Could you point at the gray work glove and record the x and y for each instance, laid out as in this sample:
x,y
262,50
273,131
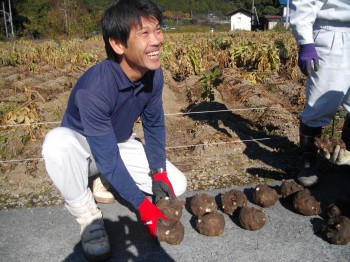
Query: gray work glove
x,y
339,156
162,187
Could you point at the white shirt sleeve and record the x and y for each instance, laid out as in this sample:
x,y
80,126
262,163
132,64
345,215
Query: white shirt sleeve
x,y
303,14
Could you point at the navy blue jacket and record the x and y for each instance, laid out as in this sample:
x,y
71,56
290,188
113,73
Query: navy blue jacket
x,y
103,107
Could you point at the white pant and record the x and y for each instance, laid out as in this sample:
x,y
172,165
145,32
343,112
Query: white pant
x,y
328,88
69,163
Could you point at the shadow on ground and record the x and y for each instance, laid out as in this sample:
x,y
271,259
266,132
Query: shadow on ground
x,y
283,156
128,242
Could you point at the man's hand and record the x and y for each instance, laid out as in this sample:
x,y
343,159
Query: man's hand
x,y
162,187
307,55
150,215
339,156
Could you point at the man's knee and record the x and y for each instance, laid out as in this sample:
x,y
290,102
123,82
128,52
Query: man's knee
x,y
57,143
181,184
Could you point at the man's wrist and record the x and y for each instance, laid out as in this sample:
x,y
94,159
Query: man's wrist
x,y
156,171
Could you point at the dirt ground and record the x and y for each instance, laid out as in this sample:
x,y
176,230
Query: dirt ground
x,y
248,134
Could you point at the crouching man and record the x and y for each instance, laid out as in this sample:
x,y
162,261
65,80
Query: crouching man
x,y
95,136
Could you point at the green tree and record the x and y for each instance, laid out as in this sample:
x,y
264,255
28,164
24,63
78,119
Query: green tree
x,y
53,18
69,17
35,11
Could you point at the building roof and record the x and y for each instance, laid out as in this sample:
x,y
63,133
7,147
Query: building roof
x,y
273,17
240,10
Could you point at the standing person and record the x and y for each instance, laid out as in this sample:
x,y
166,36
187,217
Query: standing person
x,y
322,31
96,131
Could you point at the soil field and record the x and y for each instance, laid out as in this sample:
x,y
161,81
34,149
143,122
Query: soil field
x,y
247,134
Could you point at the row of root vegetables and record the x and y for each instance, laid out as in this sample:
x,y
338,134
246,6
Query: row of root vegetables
x,y
208,212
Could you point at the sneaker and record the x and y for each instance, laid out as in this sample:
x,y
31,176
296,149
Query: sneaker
x,y
95,241
101,193
94,238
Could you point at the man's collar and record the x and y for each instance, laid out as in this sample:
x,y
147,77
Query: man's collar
x,y
122,79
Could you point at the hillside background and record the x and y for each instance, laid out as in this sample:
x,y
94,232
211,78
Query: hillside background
x,y
38,19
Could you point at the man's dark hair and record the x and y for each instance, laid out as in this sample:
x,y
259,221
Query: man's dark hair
x,y
119,18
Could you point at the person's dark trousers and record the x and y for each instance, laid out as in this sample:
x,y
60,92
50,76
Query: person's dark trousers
x,y
345,136
308,173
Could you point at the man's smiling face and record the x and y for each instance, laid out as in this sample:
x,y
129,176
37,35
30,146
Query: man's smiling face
x,y
143,49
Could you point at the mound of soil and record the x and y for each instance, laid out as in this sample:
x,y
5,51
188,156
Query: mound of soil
x,y
252,218
337,230
202,204
289,188
339,207
172,210
306,204
265,196
211,224
171,234
233,200
327,143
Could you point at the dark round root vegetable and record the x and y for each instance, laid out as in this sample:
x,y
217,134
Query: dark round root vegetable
x,y
171,234
211,224
288,188
339,207
252,218
327,143
306,204
265,196
232,200
172,210
337,230
202,204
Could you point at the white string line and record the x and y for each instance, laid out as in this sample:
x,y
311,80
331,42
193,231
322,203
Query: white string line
x,y
21,160
167,114
219,143
171,147
223,110
31,124
168,147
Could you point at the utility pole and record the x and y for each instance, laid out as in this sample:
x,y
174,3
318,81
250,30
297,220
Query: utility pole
x,y
11,24
255,12
9,19
287,15
5,21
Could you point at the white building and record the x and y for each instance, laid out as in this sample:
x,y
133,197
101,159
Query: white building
x,y
241,19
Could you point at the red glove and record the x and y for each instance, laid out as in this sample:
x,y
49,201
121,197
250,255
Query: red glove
x,y
150,215
161,186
